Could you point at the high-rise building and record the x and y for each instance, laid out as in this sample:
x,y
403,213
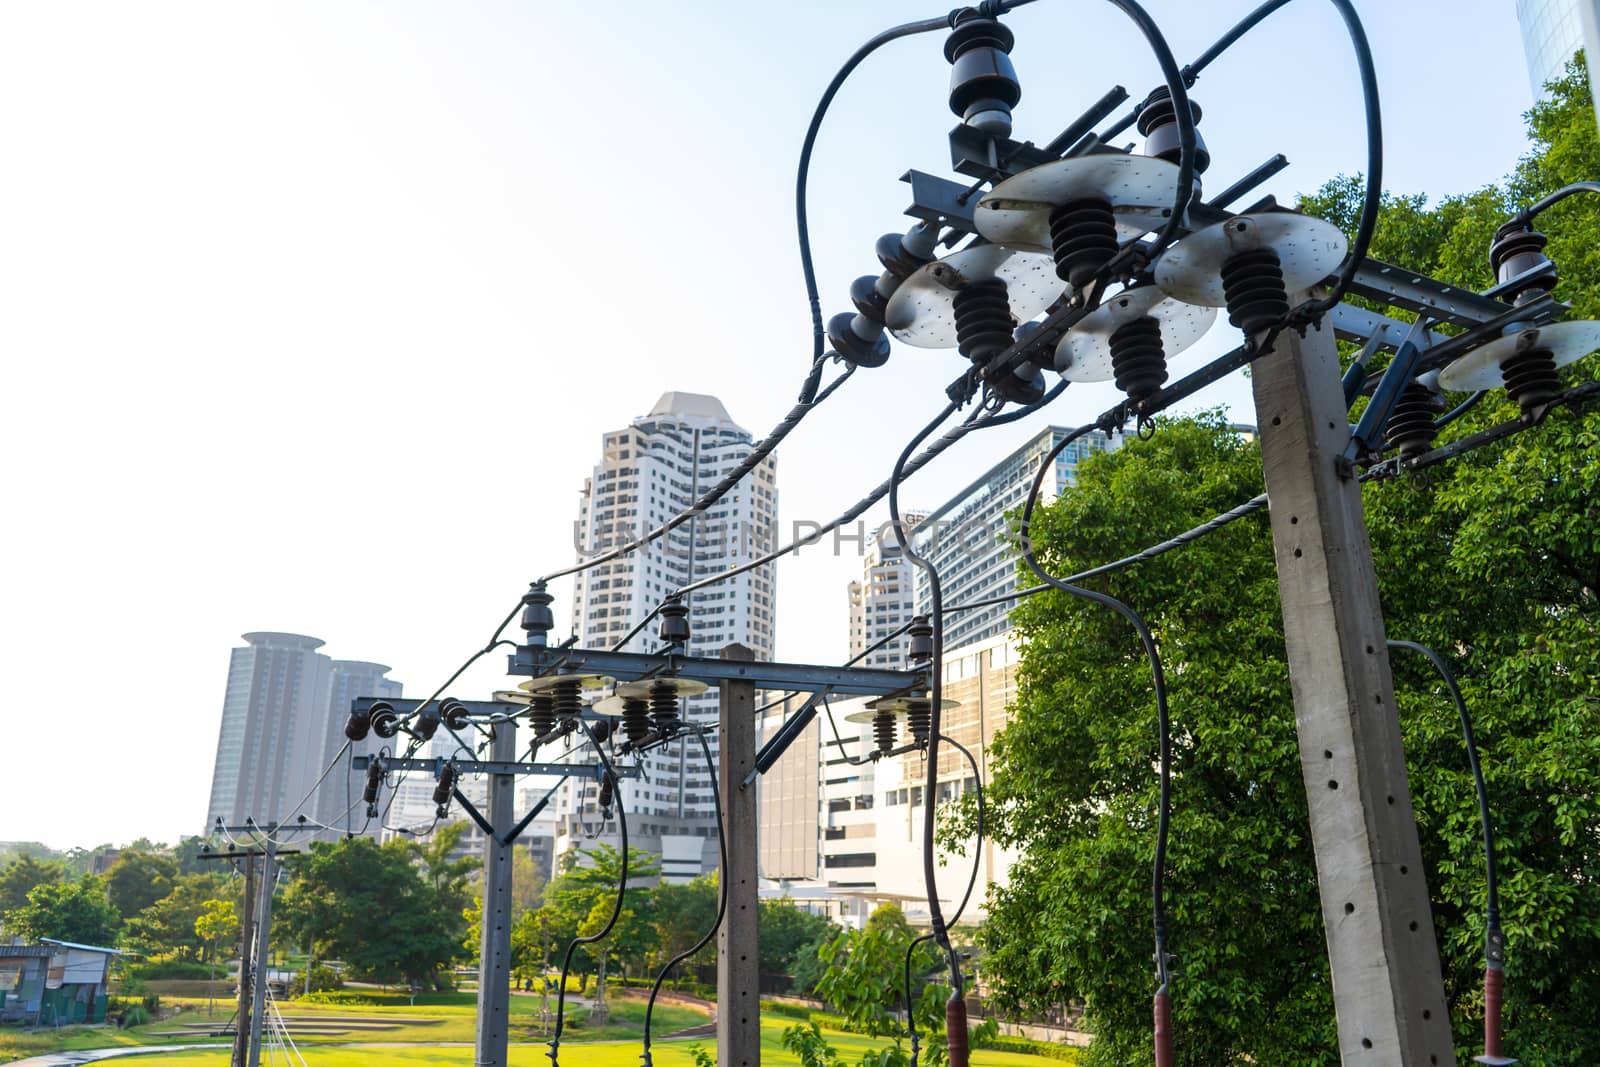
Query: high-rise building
x,y
282,721
650,471
966,539
981,678
1552,33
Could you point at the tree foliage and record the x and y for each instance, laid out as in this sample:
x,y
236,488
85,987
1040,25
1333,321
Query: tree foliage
x,y
19,877
376,908
138,879
170,925
1492,559
67,911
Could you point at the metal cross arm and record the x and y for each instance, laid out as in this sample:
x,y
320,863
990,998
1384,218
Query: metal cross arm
x,y
477,708
435,765
626,666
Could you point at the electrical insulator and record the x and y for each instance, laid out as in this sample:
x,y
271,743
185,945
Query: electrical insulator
x,y
919,648
983,81
357,725
608,792
674,628
537,618
446,786
601,731
1410,428
1250,264
454,713
1518,249
375,776
385,722
426,724
1158,121
1129,337
858,338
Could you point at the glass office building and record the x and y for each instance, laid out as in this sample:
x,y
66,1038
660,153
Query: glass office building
x,y
1552,32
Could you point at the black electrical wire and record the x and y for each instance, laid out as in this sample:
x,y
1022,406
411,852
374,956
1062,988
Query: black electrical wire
x,y
819,337
1164,809
1491,881
1459,410
972,882
935,693
616,909
722,898
1526,215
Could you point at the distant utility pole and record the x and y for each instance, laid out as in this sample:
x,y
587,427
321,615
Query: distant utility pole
x,y
1387,989
246,1040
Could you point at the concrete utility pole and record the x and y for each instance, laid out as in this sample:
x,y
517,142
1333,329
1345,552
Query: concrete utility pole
x,y
494,959
258,960
241,1036
738,960
1384,959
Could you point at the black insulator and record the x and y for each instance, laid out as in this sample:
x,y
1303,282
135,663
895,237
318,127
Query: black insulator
x,y
447,784
1083,237
454,713
357,725
542,714
983,82
635,718
1531,377
537,618
374,779
919,717
983,320
868,300
1254,287
1517,250
896,258
608,793
1158,122
568,699
883,724
1410,428
1138,361
848,342
1017,390
385,723
919,649
426,724
664,706
674,628
601,731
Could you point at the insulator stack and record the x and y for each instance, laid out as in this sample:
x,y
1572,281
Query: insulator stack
x,y
983,320
1410,428
919,716
635,718
1531,377
447,784
568,699
883,724
1083,238
664,707
1257,298
1517,250
983,82
454,712
542,714
608,793
1158,122
1138,360
385,722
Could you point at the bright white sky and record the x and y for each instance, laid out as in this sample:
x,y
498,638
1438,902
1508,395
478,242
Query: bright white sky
x,y
313,315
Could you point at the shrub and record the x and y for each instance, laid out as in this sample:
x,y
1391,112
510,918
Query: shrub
x,y
1029,1047
339,996
324,979
159,970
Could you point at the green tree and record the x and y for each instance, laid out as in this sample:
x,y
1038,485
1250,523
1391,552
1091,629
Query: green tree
x,y
19,877
586,888
218,924
684,911
67,911
138,879
1491,559
787,931
169,926
374,908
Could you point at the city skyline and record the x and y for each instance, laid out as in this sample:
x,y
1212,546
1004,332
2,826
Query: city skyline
x,y
357,336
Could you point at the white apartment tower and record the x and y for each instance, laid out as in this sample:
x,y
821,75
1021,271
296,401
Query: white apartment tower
x,y
650,471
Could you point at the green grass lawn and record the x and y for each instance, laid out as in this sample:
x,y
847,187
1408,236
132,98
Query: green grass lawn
x,y
609,1054
454,1021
